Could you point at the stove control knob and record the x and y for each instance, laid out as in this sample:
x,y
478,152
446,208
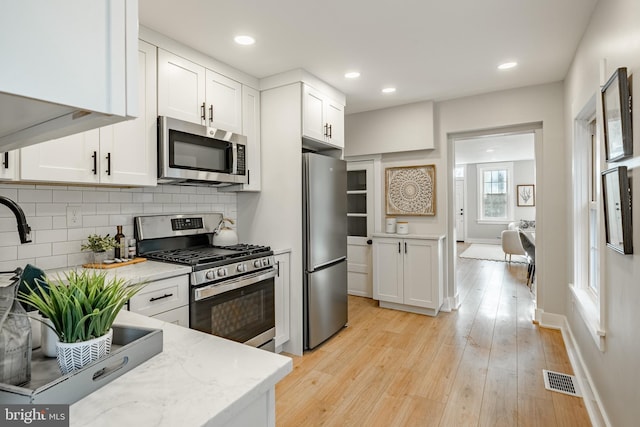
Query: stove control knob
x,y
265,262
210,275
257,263
241,268
221,272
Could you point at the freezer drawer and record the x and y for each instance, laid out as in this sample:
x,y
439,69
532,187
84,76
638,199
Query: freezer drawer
x,y
326,303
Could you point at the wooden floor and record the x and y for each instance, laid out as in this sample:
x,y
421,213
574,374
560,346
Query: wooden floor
x,y
478,366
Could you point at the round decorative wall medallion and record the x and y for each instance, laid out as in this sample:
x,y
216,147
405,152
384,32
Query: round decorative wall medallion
x,y
411,190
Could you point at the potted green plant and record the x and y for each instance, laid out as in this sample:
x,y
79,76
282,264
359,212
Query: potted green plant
x,y
81,308
101,246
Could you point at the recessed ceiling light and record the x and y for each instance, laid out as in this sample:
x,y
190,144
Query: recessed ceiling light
x,y
244,40
490,150
507,65
352,75
388,90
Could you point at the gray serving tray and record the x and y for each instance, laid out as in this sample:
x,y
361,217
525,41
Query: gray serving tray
x,y
131,346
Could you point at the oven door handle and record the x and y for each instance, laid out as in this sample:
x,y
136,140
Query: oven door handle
x,y
229,285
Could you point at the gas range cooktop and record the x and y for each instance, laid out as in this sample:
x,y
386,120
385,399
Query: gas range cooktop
x,y
210,256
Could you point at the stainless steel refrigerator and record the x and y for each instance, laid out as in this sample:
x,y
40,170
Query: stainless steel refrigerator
x,y
325,247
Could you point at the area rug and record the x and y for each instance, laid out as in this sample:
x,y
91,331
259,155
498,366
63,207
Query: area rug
x,y
490,253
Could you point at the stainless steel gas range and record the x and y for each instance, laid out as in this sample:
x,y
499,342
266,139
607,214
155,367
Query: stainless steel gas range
x,y
231,287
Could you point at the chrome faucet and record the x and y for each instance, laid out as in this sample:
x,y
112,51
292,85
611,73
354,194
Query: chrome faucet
x,y
23,228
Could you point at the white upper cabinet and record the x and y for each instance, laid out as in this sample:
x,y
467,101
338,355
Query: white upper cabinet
x,y
67,66
251,129
181,88
9,165
190,92
224,102
322,118
120,154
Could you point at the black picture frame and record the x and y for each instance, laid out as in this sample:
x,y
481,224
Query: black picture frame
x,y
617,209
616,113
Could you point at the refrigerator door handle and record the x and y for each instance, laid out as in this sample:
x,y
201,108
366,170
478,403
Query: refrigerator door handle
x,y
321,266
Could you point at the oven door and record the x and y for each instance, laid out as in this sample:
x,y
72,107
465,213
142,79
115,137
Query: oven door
x,y
241,309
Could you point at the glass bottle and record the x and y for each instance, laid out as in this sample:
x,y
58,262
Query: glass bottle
x,y
120,244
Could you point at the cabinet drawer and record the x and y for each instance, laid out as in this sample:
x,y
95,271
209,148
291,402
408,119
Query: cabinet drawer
x,y
177,316
160,296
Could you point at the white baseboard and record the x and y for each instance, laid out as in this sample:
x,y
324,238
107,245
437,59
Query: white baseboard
x,y
590,396
359,293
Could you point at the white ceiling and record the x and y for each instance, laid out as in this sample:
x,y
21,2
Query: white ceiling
x,y
428,49
496,148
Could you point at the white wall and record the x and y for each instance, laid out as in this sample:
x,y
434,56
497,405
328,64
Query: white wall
x,y
530,107
613,35
55,245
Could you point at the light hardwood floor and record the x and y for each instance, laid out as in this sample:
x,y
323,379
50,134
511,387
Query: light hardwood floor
x,y
478,366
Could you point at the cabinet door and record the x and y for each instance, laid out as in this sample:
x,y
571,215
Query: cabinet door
x,y
223,102
420,263
335,119
74,158
181,88
177,316
387,270
129,149
313,120
8,165
251,129
282,299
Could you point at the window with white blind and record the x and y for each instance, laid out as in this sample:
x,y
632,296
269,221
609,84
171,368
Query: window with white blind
x,y
495,200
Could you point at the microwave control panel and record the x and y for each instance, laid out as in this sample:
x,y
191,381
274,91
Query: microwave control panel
x,y
241,164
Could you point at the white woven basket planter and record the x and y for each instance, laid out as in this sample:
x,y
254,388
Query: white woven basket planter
x,y
74,356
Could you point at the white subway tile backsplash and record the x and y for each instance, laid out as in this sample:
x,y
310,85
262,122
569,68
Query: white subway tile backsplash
x,y
95,220
48,236
34,250
65,248
67,196
102,209
95,197
120,197
26,195
51,262
8,253
10,238
49,209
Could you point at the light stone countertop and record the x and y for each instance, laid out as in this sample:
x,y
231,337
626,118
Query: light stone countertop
x,y
198,379
135,273
409,236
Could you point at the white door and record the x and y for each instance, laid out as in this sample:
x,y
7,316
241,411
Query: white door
x,y
459,210
360,205
313,120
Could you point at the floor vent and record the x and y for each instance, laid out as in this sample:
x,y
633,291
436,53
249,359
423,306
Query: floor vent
x,y
562,383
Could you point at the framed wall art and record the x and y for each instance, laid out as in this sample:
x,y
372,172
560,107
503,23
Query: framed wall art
x,y
526,195
616,113
617,209
411,190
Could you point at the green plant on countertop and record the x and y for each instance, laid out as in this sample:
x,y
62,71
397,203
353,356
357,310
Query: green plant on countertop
x,y
83,305
97,243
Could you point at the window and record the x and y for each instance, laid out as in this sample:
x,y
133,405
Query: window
x,y
494,192
587,286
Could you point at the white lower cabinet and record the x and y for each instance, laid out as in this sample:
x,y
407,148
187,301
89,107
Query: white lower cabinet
x,y
166,299
282,308
408,273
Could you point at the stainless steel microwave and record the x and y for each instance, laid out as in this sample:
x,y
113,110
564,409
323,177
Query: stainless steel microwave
x,y
190,153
